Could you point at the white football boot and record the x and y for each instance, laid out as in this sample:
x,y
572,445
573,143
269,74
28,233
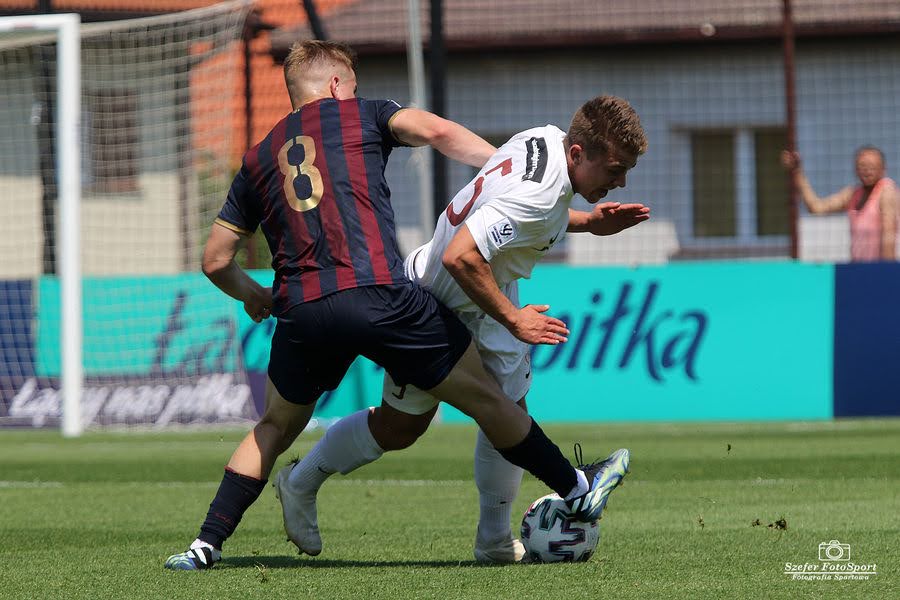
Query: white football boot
x,y
298,510
506,550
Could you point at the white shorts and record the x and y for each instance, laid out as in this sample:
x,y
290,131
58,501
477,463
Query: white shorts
x,y
505,357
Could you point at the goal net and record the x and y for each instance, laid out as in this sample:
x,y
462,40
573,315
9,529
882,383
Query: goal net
x,y
157,101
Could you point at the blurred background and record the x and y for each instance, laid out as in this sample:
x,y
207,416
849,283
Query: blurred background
x,y
733,302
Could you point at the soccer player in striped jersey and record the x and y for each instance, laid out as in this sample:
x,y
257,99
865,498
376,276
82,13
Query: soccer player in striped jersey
x,y
316,187
491,235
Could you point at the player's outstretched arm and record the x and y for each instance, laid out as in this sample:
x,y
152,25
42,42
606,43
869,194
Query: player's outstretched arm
x,y
464,262
219,266
607,218
422,128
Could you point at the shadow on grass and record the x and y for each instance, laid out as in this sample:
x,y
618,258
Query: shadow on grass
x,y
289,562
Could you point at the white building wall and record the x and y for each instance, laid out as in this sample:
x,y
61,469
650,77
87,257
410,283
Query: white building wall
x,y
134,233
20,227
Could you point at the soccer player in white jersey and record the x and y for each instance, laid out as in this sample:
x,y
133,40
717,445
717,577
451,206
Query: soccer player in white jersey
x,y
491,235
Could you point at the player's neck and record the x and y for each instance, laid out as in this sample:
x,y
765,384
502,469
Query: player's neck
x,y
309,100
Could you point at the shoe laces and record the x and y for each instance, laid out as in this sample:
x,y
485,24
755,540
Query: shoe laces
x,y
579,459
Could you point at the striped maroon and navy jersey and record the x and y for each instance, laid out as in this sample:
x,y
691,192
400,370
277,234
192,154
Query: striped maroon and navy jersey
x,y
316,186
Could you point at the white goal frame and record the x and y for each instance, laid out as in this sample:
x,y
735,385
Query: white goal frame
x,y
66,27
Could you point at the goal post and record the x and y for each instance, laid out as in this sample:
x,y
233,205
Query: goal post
x,y
116,152
66,29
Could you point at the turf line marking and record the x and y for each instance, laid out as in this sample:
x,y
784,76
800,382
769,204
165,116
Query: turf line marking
x,y
193,484
332,482
30,484
407,482
5,484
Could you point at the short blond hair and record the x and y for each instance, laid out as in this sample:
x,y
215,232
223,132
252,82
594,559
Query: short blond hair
x,y
605,121
303,55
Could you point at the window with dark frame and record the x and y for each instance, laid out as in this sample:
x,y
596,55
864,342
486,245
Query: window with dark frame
x,y
715,176
113,141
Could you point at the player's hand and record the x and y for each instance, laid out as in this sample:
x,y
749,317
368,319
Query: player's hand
x,y
259,307
533,327
790,160
608,218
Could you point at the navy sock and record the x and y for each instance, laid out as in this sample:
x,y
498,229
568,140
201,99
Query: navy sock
x,y
236,493
543,459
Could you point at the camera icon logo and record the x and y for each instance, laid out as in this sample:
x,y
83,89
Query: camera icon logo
x,y
834,551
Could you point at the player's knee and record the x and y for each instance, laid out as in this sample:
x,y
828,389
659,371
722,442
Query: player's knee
x,y
269,435
393,430
399,440
282,421
280,432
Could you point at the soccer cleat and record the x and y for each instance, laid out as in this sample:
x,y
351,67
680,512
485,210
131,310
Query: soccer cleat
x,y
194,559
507,550
604,477
298,510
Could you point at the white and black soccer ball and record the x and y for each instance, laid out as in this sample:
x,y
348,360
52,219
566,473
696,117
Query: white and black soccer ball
x,y
551,534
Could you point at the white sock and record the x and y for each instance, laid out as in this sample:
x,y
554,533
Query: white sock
x,y
581,488
498,484
346,446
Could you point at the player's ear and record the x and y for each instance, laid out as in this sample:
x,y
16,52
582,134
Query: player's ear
x,y
576,153
334,86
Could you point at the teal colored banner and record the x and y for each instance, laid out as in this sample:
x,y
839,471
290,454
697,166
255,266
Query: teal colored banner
x,y
142,326
678,342
166,328
715,341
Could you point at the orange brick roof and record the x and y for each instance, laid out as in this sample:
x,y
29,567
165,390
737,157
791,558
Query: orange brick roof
x,y
137,6
10,5
129,5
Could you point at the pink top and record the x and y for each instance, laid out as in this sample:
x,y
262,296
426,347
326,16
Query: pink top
x,y
865,223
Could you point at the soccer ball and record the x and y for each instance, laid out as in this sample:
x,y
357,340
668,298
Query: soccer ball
x,y
551,534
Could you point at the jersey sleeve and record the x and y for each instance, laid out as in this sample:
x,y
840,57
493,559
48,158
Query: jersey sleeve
x,y
241,211
498,226
385,110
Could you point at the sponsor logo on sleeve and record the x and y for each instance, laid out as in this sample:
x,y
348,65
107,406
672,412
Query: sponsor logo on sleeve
x,y
502,232
535,160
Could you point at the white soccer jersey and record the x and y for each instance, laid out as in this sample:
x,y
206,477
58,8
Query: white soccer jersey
x,y
516,208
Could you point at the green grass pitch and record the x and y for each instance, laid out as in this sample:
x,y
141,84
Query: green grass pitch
x,y
708,511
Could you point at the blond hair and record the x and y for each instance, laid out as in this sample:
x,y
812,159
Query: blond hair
x,y
605,121
315,53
